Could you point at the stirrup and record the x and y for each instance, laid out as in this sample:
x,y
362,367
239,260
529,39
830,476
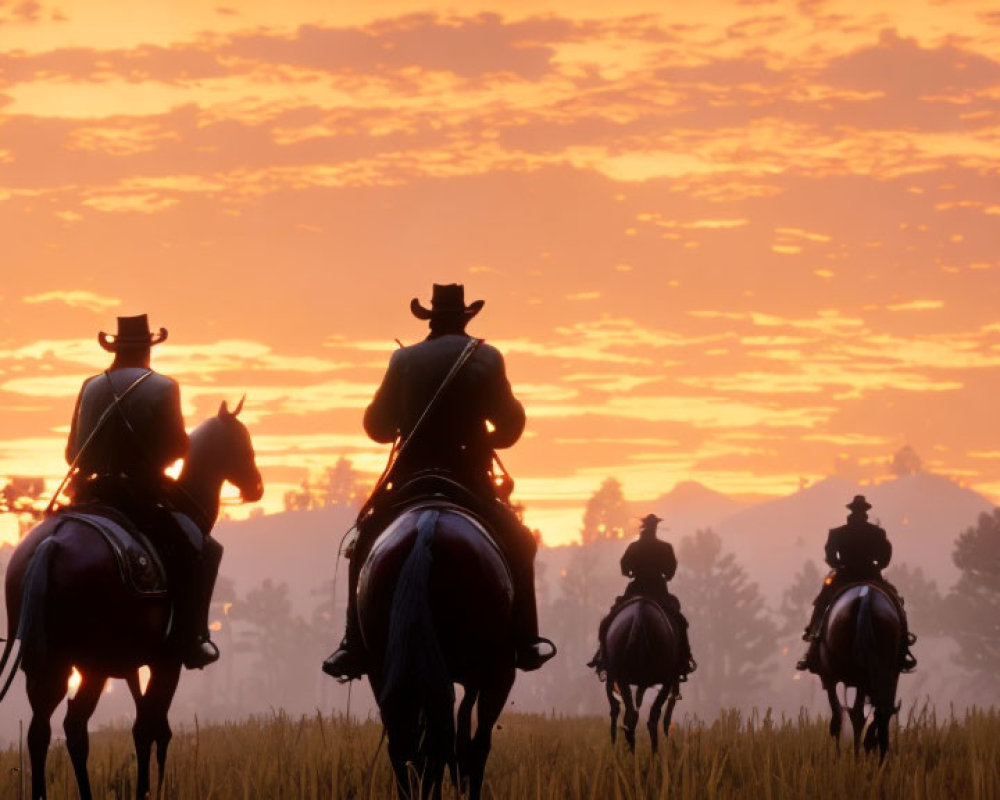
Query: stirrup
x,y
344,664
530,657
205,652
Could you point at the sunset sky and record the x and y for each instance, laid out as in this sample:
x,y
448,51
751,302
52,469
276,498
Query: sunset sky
x,y
733,242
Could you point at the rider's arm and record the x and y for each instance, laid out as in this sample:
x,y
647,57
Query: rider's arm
x,y
884,555
832,545
505,411
626,563
382,417
669,567
175,442
72,447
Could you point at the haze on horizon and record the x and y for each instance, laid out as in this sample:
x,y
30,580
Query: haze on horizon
x,y
743,243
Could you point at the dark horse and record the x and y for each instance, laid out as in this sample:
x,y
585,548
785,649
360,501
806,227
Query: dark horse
x,y
65,592
641,649
860,641
434,602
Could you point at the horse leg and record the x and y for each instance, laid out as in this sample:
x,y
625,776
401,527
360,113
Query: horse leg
x,y
654,715
631,715
884,707
45,691
152,726
609,687
491,703
857,715
78,713
836,711
463,737
669,713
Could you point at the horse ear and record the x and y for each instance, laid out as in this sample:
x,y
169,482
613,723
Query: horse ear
x,y
239,405
223,409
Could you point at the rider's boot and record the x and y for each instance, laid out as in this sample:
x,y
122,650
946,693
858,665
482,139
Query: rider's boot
x,y
811,635
347,662
908,661
530,649
689,665
597,662
193,608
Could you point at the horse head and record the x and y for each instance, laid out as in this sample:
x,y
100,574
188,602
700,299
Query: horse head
x,y
239,464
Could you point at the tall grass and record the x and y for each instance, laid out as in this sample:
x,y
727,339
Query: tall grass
x,y
556,758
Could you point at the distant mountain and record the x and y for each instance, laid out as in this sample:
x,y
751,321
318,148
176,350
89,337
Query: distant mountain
x,y
688,507
922,514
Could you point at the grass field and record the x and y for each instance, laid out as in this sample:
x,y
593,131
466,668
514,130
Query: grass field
x,y
539,757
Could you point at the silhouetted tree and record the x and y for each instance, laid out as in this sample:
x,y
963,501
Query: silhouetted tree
x,y
301,500
796,600
905,462
732,637
286,647
923,602
973,607
606,515
22,495
341,485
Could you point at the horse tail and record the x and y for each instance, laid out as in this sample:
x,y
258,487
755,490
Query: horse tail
x,y
34,600
30,628
865,654
415,668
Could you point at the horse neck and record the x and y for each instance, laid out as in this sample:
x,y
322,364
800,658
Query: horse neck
x,y
200,484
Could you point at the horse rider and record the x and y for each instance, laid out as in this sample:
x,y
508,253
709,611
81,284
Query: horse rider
x,y
127,428
650,563
857,551
447,434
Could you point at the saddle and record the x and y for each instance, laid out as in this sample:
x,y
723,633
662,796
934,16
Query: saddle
x,y
139,565
877,586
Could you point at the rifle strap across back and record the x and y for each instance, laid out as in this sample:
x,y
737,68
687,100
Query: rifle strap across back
x,y
467,352
105,416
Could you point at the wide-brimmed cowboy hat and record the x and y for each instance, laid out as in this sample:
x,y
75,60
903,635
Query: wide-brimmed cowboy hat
x,y
650,520
447,300
859,504
132,332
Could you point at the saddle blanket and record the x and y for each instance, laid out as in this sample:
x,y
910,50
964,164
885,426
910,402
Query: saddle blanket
x,y
139,564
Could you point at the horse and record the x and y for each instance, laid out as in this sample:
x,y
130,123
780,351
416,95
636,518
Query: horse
x,y
69,605
641,649
435,601
859,644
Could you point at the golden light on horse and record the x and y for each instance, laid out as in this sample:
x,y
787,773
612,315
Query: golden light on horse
x,y
73,683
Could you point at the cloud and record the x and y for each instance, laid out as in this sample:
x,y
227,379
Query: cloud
x,y
75,299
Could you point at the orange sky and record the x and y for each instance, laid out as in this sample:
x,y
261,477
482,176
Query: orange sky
x,y
734,243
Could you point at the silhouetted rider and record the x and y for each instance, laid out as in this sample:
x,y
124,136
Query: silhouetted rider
x,y
450,453
857,551
121,463
650,563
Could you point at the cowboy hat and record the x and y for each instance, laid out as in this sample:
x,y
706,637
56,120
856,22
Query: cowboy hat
x,y
859,504
132,332
447,300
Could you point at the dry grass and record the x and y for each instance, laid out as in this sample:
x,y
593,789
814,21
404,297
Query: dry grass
x,y
538,757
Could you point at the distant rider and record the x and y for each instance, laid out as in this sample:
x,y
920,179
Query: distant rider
x,y
650,563
857,551
451,455
121,464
